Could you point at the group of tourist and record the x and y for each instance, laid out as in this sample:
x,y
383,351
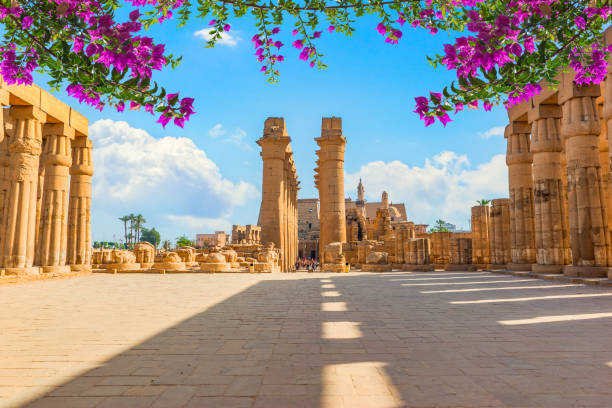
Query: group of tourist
x,y
307,263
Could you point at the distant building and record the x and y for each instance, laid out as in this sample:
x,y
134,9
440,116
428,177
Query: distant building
x,y
219,238
246,234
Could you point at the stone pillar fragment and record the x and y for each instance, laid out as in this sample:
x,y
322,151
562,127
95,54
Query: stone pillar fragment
x,y
588,223
331,181
551,228
520,181
460,255
53,225
499,233
481,252
79,207
417,255
19,218
277,216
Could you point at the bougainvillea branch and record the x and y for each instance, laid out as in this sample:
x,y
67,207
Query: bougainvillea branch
x,y
509,46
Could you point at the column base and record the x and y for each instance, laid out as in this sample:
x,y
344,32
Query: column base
x,y
537,268
121,267
377,268
80,268
586,271
57,269
498,267
417,268
26,271
519,267
460,267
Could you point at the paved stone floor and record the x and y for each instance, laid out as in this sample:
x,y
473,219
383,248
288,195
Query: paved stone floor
x,y
305,340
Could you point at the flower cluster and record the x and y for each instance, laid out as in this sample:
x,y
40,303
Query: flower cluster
x,y
263,44
98,38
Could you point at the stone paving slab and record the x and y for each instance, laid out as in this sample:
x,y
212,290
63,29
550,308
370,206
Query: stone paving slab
x,y
401,339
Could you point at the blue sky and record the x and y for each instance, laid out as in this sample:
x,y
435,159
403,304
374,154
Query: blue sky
x,y
214,179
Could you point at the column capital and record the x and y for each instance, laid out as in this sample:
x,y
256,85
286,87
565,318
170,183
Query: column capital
x,y
544,111
569,90
59,129
516,127
27,112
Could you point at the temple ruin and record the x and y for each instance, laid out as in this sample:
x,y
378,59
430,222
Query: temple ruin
x,y
45,184
278,211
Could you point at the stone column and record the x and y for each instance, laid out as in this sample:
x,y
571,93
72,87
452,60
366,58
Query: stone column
x,y
331,182
607,111
551,229
53,227
20,216
274,144
481,253
604,162
499,234
520,180
588,223
79,207
4,166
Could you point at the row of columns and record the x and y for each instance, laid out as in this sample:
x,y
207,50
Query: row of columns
x,y
560,203
45,193
329,180
278,211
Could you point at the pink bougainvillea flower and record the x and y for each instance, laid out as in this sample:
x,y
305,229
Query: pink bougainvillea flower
x,y
134,15
487,106
299,44
163,119
381,28
428,120
278,44
212,22
444,119
294,32
280,58
331,28
227,27
316,34
312,64
458,107
264,68
275,30
120,107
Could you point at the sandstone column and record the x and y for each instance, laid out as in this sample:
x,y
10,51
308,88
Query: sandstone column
x,y
520,180
607,110
79,207
274,144
4,167
499,234
331,182
551,229
481,253
589,232
20,216
53,226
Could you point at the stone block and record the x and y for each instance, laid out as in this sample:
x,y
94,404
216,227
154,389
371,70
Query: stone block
x,y
418,268
79,123
519,267
586,271
537,268
460,267
25,95
377,268
56,110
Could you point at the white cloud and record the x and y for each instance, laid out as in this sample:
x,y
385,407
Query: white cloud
x,y
159,178
446,186
236,137
201,224
226,38
494,131
217,130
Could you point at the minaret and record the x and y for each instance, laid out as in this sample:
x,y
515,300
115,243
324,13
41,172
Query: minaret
x,y
385,200
360,192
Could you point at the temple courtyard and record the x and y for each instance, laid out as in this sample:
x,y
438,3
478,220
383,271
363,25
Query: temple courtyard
x,y
443,339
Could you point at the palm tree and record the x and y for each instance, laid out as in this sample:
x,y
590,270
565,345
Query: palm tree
x,y
440,224
125,219
139,220
132,219
483,201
